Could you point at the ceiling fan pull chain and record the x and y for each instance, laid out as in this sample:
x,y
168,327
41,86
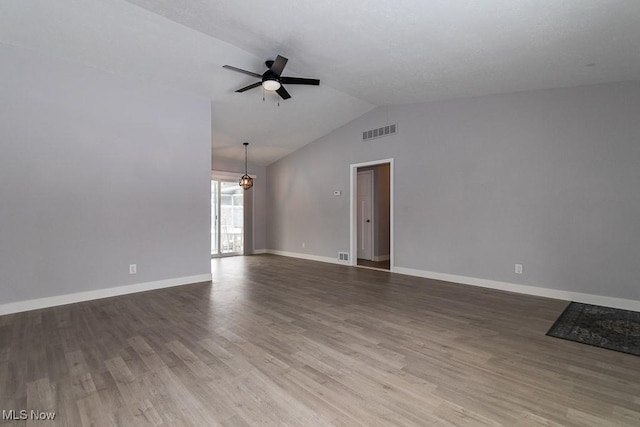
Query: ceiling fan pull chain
x,y
262,94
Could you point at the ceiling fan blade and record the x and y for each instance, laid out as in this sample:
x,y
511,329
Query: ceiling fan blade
x,y
249,87
299,81
283,93
278,65
240,70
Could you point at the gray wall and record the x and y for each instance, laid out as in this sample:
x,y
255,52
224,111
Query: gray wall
x,y
259,196
549,179
97,172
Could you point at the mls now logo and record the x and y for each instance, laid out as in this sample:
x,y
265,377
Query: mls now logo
x,y
23,414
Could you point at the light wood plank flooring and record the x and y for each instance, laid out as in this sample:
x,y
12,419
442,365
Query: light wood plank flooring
x,y
279,341
383,265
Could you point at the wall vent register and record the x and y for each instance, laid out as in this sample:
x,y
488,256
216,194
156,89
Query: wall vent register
x,y
380,132
343,256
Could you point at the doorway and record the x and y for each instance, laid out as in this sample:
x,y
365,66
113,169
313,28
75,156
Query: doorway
x,y
227,218
372,214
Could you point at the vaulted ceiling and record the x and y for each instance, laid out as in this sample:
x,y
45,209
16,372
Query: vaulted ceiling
x,y
366,53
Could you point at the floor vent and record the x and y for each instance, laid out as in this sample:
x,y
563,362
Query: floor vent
x,y
379,132
343,256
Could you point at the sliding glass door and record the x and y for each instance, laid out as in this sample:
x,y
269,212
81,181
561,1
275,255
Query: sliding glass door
x,y
227,218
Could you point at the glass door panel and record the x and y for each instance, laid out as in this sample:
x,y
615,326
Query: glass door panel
x,y
231,218
227,218
214,217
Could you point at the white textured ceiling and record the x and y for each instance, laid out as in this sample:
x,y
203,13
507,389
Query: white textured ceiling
x,y
365,53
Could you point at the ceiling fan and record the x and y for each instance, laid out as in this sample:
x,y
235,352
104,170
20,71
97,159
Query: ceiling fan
x,y
272,80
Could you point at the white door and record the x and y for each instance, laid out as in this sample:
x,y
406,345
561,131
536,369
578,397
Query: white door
x,y
365,215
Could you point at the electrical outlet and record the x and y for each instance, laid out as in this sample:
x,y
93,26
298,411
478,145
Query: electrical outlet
x,y
133,269
304,245
518,268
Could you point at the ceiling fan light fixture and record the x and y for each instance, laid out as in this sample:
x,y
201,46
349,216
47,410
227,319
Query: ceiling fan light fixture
x,y
271,85
272,79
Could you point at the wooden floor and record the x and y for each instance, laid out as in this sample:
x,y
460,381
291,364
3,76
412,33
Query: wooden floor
x,y
281,341
383,265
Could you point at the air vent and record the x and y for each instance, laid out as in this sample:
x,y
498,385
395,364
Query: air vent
x,y
379,132
343,256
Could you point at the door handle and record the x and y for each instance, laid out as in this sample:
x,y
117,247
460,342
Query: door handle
x,y
368,220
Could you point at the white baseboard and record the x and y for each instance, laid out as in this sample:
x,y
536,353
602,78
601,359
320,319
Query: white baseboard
x,y
36,304
379,258
605,301
307,256
259,251
624,304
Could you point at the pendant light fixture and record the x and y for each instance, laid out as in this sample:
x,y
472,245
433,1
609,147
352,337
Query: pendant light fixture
x,y
246,181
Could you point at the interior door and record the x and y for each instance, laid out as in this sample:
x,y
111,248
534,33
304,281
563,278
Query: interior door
x,y
365,215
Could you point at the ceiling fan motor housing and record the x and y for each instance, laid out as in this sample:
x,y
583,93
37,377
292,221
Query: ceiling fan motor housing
x,y
270,75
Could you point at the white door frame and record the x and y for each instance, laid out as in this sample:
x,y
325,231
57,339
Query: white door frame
x,y
353,210
234,177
